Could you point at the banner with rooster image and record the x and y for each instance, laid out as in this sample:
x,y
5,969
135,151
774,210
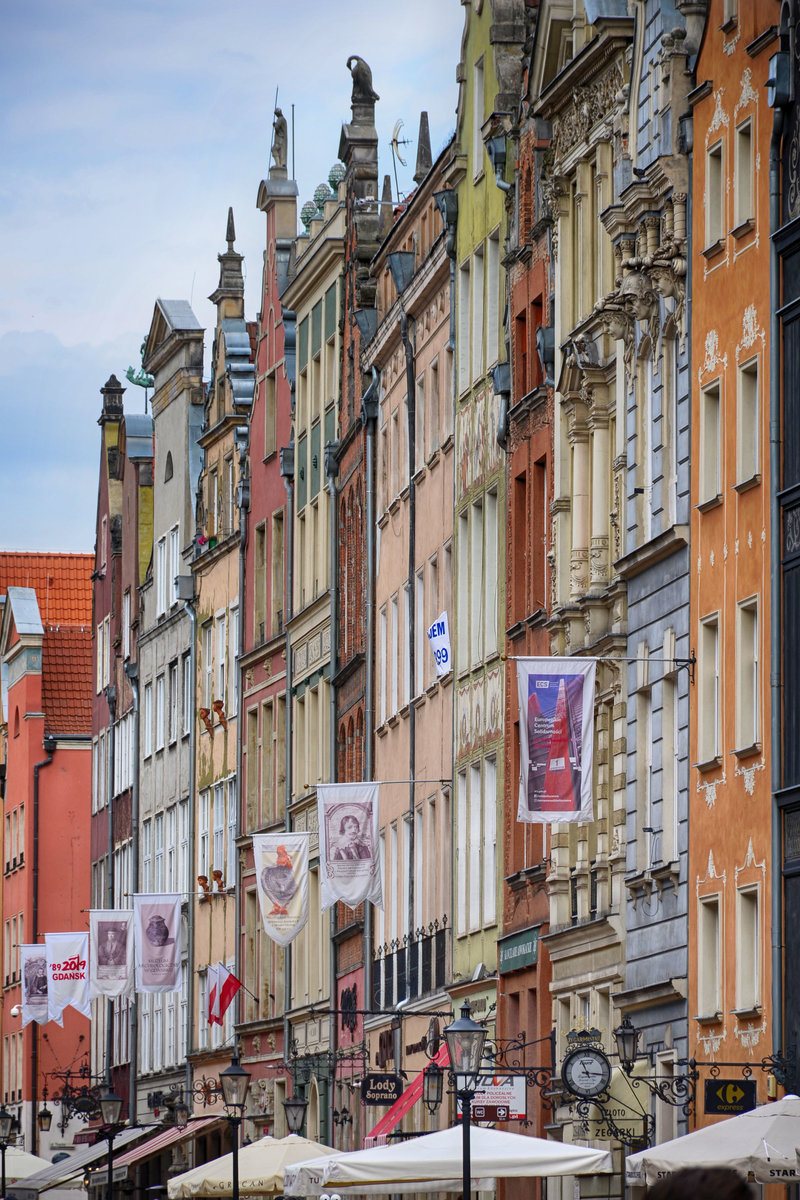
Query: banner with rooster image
x,y
350,865
556,738
67,973
281,862
157,941
111,952
33,969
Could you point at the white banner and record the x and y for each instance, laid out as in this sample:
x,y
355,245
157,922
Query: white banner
x,y
67,973
556,739
439,638
157,941
110,952
350,865
33,967
281,862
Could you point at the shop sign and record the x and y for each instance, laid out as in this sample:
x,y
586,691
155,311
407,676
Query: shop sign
x,y
729,1097
498,1098
518,950
381,1088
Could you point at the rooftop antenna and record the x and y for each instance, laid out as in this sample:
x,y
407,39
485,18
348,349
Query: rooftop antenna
x,y
397,157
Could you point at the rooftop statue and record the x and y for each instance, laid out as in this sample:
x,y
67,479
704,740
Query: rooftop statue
x,y
279,139
362,80
140,377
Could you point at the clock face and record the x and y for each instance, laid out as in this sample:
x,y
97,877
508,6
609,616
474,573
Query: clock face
x,y
586,1072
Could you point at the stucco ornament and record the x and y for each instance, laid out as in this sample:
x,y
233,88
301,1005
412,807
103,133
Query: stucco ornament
x,y
588,107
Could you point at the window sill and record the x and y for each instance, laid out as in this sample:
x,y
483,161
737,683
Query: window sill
x,y
743,228
747,1014
709,764
748,751
729,25
746,484
714,249
393,720
709,1018
712,502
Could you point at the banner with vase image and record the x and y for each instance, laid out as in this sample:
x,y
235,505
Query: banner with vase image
x,y
157,941
350,864
281,863
556,739
110,952
33,972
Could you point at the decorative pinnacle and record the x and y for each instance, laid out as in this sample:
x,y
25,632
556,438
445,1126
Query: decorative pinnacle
x,y
230,232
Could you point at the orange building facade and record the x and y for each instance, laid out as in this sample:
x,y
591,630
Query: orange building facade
x,y
730,797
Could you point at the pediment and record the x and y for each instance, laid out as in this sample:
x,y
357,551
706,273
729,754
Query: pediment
x,y
553,47
160,329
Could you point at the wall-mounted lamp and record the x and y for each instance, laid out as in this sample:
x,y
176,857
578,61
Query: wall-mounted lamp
x,y
496,149
367,322
627,1038
401,264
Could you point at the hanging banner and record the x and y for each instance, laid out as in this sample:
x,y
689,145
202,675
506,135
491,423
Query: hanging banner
x,y
33,967
556,736
439,638
67,973
157,942
281,862
350,865
110,952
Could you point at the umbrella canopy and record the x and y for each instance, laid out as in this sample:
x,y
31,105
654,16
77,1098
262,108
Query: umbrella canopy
x,y
432,1163
20,1164
763,1141
261,1167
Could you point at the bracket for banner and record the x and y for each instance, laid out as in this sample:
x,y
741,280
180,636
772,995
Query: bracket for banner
x,y
688,664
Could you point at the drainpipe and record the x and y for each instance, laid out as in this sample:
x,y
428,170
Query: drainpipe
x,y
287,473
132,673
242,440
111,701
411,389
332,471
49,744
188,606
369,418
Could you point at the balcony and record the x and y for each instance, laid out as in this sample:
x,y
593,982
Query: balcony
x,y
411,967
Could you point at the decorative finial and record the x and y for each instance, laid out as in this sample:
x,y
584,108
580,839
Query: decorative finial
x,y
230,232
336,175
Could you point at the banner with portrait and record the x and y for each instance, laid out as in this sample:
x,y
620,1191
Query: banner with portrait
x,y
281,863
33,971
67,973
157,941
350,863
110,952
556,736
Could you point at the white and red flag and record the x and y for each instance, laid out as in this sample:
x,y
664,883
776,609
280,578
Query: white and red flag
x,y
222,987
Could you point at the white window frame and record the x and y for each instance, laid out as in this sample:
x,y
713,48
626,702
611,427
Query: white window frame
x,y
748,457
160,711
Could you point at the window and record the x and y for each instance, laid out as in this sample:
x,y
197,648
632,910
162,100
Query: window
x,y
233,683
462,644
230,870
748,949
747,684
419,648
203,865
147,856
710,444
270,437
161,576
492,298
708,741
489,841
173,702
126,624
743,181
644,778
393,656
708,956
715,195
174,565
461,853
158,852
277,573
406,644
667,850
160,712
222,668
748,457
213,504
147,719
100,649
259,583
463,327
230,495
478,116
419,426
383,652
207,666
218,862
477,314
490,576
188,699
183,846
475,595
171,873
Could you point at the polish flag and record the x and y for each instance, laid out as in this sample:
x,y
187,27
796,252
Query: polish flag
x,y
213,989
225,987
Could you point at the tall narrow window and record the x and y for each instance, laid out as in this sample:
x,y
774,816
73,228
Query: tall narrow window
x,y
208,675
277,573
174,566
489,873
490,577
382,652
222,668
747,689
743,181
147,725
161,576
233,659
477,313
394,651
644,776
708,956
158,852
187,708
462,596
715,195
203,835
259,583
667,850
477,615
218,859
461,853
463,327
475,846
126,624
478,116
708,733
748,456
492,298
173,701
419,425
160,714
419,648
270,437
710,443
748,949
406,644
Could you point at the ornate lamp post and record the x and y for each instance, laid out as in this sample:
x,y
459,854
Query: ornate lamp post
x,y
465,1039
233,1081
295,1110
6,1125
627,1038
110,1109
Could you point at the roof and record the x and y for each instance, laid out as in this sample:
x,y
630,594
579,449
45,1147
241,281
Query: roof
x,y
179,314
138,436
25,610
62,583
67,681
58,1173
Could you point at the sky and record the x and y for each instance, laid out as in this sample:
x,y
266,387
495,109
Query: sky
x,y
127,128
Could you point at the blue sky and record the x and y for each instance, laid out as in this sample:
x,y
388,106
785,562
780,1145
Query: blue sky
x,y
127,128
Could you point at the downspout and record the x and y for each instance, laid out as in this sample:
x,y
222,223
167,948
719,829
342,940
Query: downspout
x,y
132,673
332,471
369,418
49,744
242,438
188,607
412,599
775,575
111,701
287,472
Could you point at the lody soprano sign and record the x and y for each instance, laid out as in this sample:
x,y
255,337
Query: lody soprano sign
x,y
381,1087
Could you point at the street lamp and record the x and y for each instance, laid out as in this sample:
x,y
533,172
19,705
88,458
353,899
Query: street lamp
x,y
6,1125
432,1087
465,1039
110,1109
295,1110
233,1081
627,1038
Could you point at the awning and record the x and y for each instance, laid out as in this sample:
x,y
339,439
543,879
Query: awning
x,y
394,1115
164,1141
69,1172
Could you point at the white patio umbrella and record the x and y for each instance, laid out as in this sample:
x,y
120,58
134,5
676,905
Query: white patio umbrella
x,y
763,1141
20,1164
433,1163
261,1167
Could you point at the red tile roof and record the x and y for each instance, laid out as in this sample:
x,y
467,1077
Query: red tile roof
x,y
67,681
62,583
